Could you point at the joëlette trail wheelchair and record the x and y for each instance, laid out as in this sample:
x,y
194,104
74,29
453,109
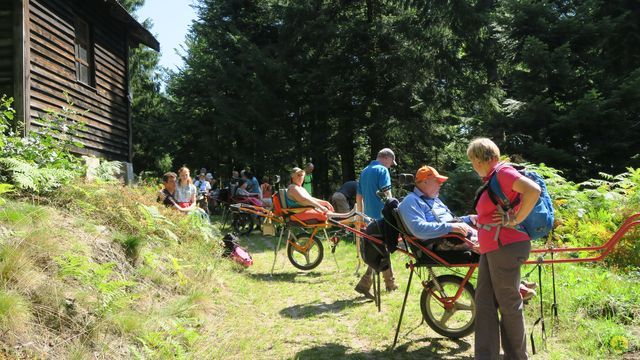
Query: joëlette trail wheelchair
x,y
447,301
304,234
241,222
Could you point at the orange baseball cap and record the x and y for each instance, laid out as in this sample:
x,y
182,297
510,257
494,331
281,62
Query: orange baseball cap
x,y
427,172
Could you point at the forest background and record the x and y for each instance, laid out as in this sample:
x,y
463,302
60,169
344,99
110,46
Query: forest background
x,y
268,84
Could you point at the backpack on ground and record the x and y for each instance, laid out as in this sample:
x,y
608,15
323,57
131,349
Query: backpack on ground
x,y
233,250
540,221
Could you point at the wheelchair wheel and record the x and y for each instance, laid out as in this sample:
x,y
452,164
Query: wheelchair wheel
x,y
454,320
242,223
305,260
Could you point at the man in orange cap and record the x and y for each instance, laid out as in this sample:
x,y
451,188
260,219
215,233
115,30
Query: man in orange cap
x,y
425,215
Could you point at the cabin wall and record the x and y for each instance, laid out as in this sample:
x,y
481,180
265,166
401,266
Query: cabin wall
x,y
52,72
7,50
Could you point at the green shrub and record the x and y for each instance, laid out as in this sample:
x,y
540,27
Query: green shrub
x,y
589,213
6,117
34,179
42,160
131,245
459,191
51,143
107,172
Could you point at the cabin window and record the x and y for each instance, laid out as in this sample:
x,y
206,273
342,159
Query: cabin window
x,y
84,53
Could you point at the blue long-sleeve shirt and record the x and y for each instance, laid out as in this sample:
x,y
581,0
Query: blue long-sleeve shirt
x,y
426,218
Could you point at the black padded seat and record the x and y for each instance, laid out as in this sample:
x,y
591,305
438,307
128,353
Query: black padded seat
x,y
452,257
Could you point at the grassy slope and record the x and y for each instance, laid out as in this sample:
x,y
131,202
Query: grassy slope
x,y
70,291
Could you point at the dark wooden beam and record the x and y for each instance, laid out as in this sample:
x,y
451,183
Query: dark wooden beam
x,y
129,95
21,61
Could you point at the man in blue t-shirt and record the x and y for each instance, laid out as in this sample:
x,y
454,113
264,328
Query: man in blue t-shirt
x,y
375,177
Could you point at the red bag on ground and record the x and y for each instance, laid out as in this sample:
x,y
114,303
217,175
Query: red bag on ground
x,y
233,250
242,257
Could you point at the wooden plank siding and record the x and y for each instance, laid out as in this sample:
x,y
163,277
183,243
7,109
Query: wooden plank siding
x,y
53,71
7,49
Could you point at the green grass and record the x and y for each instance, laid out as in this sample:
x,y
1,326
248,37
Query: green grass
x,y
14,311
317,314
23,215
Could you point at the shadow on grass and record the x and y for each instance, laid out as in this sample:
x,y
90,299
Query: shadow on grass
x,y
310,277
318,308
431,349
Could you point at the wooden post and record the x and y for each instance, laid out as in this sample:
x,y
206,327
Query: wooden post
x,y
127,44
22,74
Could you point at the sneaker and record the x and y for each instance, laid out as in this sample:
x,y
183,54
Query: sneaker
x,y
365,292
526,292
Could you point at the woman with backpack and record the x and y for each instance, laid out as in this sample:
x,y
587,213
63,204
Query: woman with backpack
x,y
503,248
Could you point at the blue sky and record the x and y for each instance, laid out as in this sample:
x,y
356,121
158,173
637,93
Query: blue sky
x,y
171,20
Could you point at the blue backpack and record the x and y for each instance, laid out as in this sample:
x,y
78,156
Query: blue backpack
x,y
540,221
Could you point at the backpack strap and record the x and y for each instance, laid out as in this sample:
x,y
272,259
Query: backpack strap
x,y
500,200
424,198
496,194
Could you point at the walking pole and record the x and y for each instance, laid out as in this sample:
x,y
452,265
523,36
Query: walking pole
x,y
379,290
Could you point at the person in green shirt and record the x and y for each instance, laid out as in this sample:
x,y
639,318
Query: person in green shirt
x,y
308,178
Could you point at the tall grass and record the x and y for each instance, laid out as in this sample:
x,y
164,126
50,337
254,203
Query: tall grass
x,y
14,312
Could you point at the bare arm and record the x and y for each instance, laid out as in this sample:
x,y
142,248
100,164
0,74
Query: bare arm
x,y
301,196
530,192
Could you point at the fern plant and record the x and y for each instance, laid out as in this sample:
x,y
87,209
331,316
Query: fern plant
x,y
108,171
50,143
113,293
31,178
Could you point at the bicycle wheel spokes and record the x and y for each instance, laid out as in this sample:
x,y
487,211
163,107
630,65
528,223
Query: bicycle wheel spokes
x,y
304,252
448,314
450,317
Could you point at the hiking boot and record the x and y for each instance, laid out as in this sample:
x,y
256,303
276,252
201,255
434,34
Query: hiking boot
x,y
526,292
365,292
392,287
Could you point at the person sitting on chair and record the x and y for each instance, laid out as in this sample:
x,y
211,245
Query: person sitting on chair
x,y
298,196
247,197
427,217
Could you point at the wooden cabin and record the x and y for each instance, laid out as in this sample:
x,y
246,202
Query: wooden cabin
x,y
78,47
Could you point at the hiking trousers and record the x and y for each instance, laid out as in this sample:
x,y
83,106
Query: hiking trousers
x,y
498,290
